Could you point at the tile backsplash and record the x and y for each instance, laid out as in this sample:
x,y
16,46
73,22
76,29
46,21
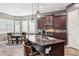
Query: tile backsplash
x,y
55,30
60,30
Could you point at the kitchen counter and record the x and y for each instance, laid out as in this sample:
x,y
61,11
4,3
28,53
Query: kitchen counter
x,y
41,43
44,40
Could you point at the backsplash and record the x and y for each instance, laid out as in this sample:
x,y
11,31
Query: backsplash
x,y
60,30
53,30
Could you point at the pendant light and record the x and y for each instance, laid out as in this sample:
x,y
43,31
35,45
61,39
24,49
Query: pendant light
x,y
38,12
32,13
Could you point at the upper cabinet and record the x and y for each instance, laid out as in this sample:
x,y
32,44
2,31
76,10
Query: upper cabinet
x,y
55,23
45,22
49,21
59,22
41,22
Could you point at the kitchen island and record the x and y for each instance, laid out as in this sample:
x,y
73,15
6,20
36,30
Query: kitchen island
x,y
47,46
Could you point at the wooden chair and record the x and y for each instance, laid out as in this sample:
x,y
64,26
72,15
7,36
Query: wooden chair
x,y
24,36
20,39
28,50
13,38
9,37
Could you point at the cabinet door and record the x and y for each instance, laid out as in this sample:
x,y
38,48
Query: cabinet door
x,y
51,20
57,49
60,22
47,19
62,36
41,22
38,23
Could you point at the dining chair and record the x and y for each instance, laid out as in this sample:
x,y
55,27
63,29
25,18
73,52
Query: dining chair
x,y
20,39
13,38
24,36
16,37
9,37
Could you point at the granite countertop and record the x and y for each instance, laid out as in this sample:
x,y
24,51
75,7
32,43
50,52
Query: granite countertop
x,y
44,40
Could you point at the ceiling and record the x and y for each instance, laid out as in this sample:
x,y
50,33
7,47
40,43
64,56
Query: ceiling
x,y
24,9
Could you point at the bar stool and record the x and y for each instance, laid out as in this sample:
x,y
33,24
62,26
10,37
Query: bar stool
x,y
28,51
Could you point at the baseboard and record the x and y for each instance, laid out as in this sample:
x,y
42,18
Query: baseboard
x,y
72,47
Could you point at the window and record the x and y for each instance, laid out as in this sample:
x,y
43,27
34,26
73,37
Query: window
x,y
31,26
17,26
10,26
28,26
25,26
3,23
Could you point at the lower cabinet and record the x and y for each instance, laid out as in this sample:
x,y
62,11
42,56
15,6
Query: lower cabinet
x,y
62,36
57,49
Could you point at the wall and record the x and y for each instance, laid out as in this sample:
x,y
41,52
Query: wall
x,y
73,26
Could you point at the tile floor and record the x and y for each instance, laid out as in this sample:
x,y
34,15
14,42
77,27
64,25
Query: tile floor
x,y
71,51
17,50
10,50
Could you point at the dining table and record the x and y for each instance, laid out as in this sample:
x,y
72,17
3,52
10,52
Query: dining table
x,y
17,36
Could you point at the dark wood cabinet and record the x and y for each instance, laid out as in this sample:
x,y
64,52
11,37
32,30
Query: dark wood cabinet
x,y
51,21
47,19
45,22
62,36
56,23
40,23
57,49
59,22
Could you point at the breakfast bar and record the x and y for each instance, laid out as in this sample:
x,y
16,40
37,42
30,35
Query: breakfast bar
x,y
48,46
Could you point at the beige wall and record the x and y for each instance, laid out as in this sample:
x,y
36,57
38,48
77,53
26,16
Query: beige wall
x,y
73,27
